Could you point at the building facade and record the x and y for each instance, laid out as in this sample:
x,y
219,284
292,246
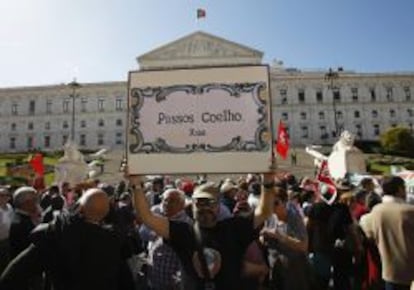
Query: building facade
x,y
315,105
316,108
41,117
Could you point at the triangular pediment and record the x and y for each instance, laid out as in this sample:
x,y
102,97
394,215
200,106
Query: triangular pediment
x,y
199,49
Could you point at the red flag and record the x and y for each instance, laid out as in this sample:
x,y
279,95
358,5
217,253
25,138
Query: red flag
x,y
326,183
37,164
282,145
201,13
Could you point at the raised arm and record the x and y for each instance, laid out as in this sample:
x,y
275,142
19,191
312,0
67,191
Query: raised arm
x,y
158,224
265,207
291,242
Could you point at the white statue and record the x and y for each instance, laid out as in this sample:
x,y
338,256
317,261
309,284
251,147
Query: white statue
x,y
345,142
344,158
71,167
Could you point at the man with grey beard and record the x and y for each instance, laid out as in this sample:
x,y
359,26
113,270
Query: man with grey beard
x,y
211,251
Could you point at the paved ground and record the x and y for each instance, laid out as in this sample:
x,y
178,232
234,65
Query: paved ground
x,y
304,166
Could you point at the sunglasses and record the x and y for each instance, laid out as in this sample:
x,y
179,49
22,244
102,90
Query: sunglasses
x,y
277,203
205,202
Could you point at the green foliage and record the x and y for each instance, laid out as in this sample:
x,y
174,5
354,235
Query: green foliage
x,y
380,164
13,180
12,159
398,140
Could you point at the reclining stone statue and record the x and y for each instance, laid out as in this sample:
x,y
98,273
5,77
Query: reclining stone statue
x,y
71,167
344,158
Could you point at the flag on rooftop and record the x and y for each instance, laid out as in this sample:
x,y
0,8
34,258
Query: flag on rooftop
x,y
201,13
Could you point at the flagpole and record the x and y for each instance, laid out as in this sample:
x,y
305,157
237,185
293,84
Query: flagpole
x,y
330,76
271,129
201,13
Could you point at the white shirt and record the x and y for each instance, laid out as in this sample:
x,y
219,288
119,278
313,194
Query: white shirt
x,y
253,200
390,198
6,215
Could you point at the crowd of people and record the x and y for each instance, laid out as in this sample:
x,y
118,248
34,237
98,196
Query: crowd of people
x,y
267,231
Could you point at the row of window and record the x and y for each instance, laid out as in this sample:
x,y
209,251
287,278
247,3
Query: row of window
x,y
66,106
358,130
340,115
336,93
65,124
47,140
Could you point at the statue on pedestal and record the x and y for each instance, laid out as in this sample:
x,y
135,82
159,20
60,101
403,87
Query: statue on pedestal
x,y
71,167
344,158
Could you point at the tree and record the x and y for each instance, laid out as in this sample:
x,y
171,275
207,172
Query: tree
x,y
398,140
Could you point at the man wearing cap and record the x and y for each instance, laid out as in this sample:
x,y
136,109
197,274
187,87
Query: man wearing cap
x,y
228,192
211,251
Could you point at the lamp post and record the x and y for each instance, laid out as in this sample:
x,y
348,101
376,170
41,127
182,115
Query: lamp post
x,y
74,85
331,76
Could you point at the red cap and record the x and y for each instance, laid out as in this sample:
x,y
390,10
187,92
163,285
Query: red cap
x,y
187,187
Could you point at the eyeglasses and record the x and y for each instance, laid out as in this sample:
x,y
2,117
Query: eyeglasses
x,y
203,202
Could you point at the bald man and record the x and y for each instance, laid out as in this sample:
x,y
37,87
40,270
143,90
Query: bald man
x,y
75,250
94,205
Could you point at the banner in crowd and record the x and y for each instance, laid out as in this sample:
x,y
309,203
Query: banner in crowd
x,y
206,120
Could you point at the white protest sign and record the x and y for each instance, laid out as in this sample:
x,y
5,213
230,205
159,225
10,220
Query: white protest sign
x,y
208,120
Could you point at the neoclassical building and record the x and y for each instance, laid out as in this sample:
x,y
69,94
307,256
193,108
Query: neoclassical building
x,y
315,105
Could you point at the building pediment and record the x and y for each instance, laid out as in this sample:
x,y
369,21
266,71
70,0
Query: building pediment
x,y
199,49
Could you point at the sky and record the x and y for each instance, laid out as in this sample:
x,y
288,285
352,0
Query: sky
x,y
46,42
